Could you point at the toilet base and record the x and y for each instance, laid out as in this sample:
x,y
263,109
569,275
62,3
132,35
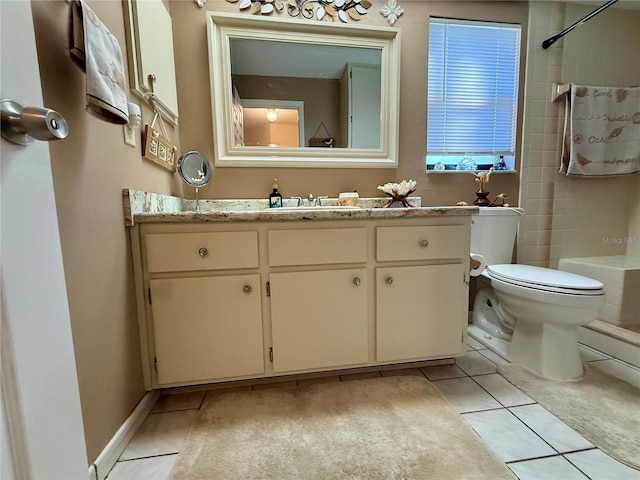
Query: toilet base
x,y
547,350
489,317
495,344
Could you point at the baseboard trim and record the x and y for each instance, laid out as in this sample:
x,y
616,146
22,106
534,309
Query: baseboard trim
x,y
109,456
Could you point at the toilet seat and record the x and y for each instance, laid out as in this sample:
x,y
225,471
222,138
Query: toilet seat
x,y
545,279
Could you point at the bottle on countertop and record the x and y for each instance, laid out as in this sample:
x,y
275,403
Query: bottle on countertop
x,y
275,198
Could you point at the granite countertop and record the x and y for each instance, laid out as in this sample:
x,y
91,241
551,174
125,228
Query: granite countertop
x,y
146,207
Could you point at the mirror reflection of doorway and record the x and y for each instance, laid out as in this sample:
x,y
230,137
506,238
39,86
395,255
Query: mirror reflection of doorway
x,y
273,123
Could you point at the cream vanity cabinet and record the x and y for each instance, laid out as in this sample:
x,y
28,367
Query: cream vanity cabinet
x,y
207,322
319,314
418,307
234,300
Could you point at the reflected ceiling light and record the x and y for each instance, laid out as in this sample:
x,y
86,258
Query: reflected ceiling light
x,y
272,115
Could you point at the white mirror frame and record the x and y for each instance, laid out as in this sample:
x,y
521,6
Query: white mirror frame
x,y
221,27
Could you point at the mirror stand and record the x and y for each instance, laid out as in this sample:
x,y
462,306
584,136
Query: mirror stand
x,y
195,171
197,200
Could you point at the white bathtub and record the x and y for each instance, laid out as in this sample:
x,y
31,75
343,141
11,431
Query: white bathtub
x,y
621,277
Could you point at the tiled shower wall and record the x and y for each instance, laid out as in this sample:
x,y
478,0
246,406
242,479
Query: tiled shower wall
x,y
569,216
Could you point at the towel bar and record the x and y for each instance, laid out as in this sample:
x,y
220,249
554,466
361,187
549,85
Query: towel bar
x,y
559,90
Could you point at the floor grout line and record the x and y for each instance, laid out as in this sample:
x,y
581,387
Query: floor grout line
x,y
422,371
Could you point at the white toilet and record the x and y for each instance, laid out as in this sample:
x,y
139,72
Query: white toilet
x,y
529,313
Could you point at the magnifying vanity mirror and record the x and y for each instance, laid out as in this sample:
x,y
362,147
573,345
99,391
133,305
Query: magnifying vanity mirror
x,y
195,170
328,92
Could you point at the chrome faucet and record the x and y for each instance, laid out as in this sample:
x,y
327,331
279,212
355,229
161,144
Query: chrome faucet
x,y
310,201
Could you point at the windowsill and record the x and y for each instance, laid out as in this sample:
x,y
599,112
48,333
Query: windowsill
x,y
495,172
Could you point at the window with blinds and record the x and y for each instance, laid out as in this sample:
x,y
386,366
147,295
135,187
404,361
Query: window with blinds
x,y
472,94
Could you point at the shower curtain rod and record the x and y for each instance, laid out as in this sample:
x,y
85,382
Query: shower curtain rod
x,y
550,41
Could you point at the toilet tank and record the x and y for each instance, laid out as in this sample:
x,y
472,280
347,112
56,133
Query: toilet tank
x,y
493,233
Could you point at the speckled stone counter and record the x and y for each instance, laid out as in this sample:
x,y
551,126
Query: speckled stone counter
x,y
146,207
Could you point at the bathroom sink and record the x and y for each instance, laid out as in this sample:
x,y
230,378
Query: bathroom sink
x,y
323,207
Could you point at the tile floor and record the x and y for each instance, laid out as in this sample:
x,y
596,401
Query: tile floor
x,y
534,444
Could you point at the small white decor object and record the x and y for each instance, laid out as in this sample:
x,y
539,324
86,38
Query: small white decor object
x,y
392,11
399,191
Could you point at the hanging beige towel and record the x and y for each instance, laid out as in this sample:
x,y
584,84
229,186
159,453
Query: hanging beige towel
x,y
97,51
601,131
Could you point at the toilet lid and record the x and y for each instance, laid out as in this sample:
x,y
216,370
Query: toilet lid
x,y
545,278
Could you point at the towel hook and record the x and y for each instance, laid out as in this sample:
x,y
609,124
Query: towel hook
x,y
152,96
152,79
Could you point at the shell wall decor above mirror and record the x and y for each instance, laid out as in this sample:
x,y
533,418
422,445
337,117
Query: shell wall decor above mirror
x,y
323,10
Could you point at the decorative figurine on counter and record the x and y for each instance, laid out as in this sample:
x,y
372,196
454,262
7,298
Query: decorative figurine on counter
x,y
482,201
399,192
502,203
482,178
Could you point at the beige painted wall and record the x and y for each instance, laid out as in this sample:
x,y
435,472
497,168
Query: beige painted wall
x,y
90,168
189,23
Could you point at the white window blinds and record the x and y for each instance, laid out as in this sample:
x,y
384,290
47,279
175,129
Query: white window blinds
x,y
473,87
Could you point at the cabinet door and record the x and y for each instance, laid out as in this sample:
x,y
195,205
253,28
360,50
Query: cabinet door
x,y
150,51
207,327
319,319
421,312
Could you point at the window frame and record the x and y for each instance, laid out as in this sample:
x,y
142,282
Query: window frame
x,y
484,160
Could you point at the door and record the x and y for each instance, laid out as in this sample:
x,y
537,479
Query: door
x,y
207,328
41,415
364,106
421,312
319,319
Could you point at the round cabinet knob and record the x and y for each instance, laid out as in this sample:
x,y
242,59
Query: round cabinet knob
x,y
388,280
203,252
356,281
246,289
424,243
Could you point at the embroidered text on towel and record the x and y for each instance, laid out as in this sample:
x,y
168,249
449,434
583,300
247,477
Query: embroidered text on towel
x,y
602,131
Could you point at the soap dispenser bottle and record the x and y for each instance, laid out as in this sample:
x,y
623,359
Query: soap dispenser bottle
x,y
275,198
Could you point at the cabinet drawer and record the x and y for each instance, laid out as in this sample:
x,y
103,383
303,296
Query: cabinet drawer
x,y
171,252
317,246
420,243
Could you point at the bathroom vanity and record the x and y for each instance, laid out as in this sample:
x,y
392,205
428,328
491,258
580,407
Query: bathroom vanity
x,y
238,291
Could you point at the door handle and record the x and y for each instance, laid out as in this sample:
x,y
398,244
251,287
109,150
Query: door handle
x,y
21,125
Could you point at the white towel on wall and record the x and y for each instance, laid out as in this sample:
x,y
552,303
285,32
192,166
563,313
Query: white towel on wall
x,y
601,131
97,51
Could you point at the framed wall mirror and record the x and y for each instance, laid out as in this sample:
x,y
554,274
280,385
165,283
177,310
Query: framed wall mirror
x,y
343,80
